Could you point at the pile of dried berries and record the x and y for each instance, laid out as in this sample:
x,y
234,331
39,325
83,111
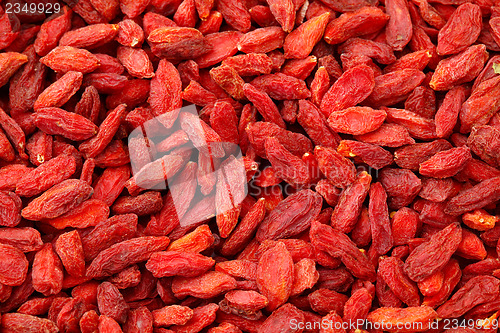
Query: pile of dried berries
x,y
249,166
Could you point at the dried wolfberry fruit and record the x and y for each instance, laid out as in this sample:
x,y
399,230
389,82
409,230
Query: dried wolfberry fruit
x,y
382,240
433,255
69,248
129,277
165,93
7,153
262,40
95,145
399,27
221,45
338,169
229,80
244,230
356,120
461,30
145,288
391,135
204,286
465,66
445,163
339,245
411,156
56,121
287,166
110,184
479,107
47,271
348,209
394,87
90,36
373,155
39,148
320,85
430,14
46,175
480,220
10,62
334,325
172,315
275,275
243,268
299,43
173,43
135,61
111,303
295,143
18,322
235,13
58,200
488,72
281,318
108,324
447,114
25,239
417,60
14,132
358,305
284,13
250,64
471,246
247,302
402,186
380,52
106,83
420,317
483,141
405,224
139,320
432,284
68,58
176,263
300,68
391,270
225,328
422,101
354,86
475,197
478,290
283,221
202,316
325,301
123,254
363,21
51,31
130,33
305,276
281,86
144,204
385,295
10,207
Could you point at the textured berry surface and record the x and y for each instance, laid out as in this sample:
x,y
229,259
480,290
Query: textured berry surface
x,y
260,166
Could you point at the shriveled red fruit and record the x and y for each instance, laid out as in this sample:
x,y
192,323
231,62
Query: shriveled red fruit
x,y
356,120
433,255
275,275
461,30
